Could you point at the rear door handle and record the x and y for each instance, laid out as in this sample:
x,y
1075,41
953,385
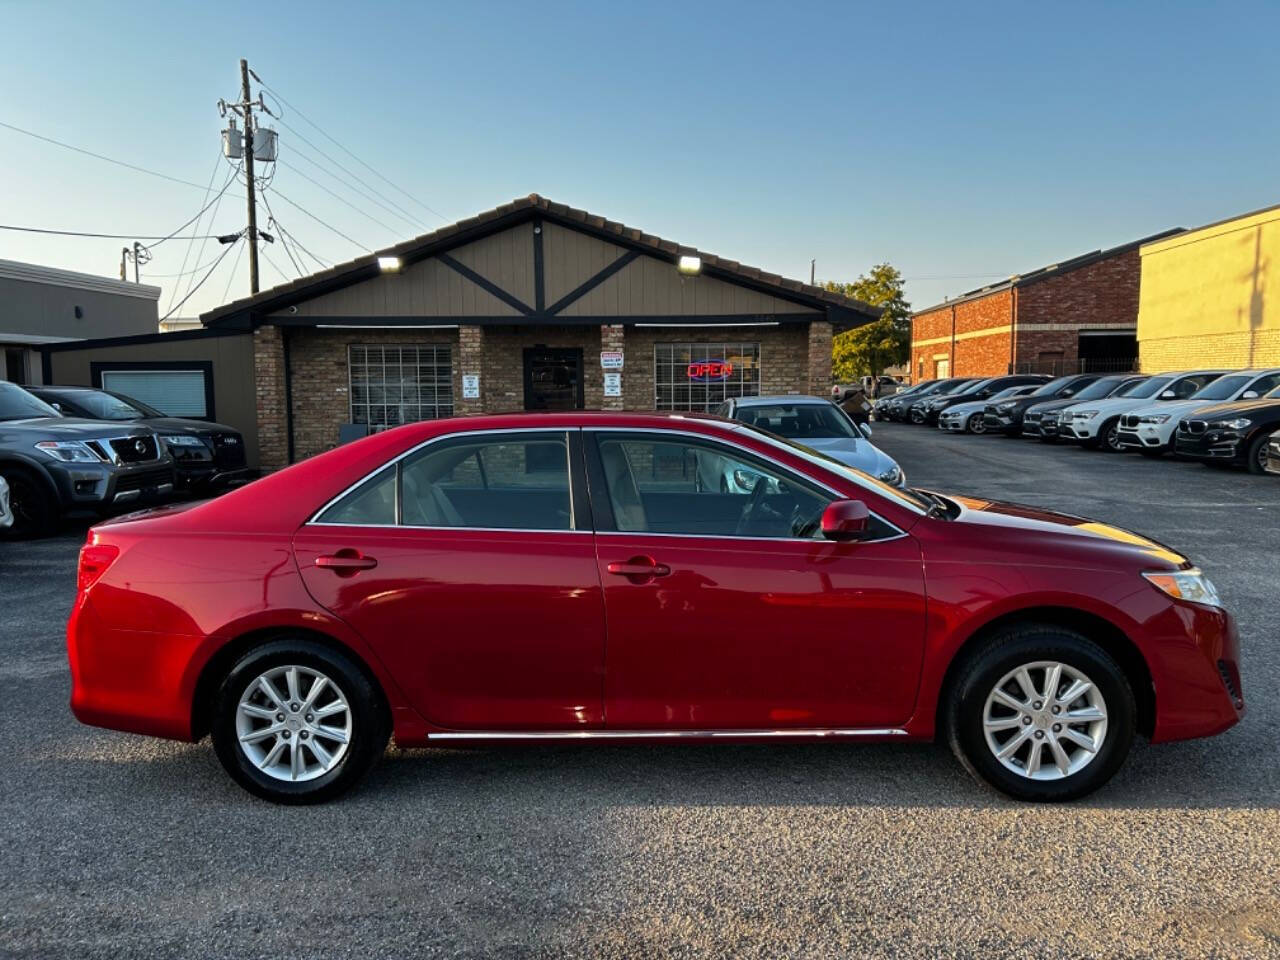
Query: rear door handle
x,y
345,560
639,569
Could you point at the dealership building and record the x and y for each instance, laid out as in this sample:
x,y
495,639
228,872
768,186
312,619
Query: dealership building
x,y
530,306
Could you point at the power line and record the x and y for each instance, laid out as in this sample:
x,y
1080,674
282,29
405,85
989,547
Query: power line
x,y
198,215
103,236
321,222
99,156
192,292
370,216
284,276
413,222
345,150
231,278
191,243
320,261
175,276
412,217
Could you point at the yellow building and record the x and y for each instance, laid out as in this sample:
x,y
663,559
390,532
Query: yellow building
x,y
1210,297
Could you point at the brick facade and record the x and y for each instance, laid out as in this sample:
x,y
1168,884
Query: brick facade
x,y
1031,323
793,359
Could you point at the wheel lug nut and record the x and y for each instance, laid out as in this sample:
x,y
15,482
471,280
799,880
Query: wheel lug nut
x,y
303,734
1057,728
285,734
1039,734
1025,721
311,718
1057,710
293,707
1037,705
279,718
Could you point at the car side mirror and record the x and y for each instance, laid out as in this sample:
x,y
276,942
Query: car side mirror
x,y
1249,395
1068,393
846,520
866,430
1168,395
57,406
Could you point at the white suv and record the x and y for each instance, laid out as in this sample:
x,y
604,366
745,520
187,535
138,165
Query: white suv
x,y
1151,428
1097,422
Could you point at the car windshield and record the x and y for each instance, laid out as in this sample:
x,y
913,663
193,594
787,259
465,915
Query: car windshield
x,y
1148,388
972,387
1129,389
798,421
1097,390
17,404
105,406
954,389
1052,387
1223,389
1008,392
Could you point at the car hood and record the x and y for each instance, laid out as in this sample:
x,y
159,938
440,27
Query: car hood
x,y
1035,523
1220,411
1174,408
181,425
852,452
1049,406
1113,404
69,428
969,406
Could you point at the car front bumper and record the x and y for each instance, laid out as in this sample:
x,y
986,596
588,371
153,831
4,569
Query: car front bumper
x,y
1001,421
1194,657
1224,445
953,422
1144,436
94,486
1078,429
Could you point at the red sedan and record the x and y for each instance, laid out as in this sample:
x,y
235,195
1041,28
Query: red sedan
x,y
574,576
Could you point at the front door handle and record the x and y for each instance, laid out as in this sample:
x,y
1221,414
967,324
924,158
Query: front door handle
x,y
345,562
639,569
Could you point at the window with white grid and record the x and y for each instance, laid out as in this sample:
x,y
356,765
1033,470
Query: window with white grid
x,y
686,376
391,385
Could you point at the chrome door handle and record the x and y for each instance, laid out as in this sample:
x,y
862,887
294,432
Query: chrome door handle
x,y
345,560
639,568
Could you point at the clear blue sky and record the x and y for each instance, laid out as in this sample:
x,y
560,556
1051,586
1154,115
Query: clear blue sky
x,y
951,141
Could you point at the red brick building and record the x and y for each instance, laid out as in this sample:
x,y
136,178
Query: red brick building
x,y
1078,315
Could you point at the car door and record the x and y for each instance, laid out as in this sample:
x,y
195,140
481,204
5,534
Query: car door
x,y
469,565
727,610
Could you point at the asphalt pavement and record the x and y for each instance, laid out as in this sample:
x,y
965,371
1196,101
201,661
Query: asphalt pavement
x,y
119,846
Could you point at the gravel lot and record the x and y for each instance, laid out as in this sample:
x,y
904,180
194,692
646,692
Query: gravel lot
x,y
120,846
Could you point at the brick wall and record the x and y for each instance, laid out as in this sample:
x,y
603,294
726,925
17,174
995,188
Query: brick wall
x,y
819,359
973,335
930,335
1241,349
268,377
502,366
1102,294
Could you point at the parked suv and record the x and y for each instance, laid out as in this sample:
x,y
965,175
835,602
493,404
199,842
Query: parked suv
x,y
1043,419
206,456
978,390
894,407
1234,433
1006,416
918,412
56,465
1150,429
1097,422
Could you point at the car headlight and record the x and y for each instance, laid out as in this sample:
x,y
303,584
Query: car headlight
x,y
893,476
1084,414
1004,407
1190,585
69,451
183,440
1155,418
1237,424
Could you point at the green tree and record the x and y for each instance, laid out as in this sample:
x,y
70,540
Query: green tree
x,y
869,349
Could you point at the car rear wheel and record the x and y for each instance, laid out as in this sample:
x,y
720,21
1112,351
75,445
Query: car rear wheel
x,y
977,424
1042,714
917,417
35,513
296,722
1256,461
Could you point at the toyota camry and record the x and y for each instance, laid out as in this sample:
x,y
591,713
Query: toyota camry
x,y
545,577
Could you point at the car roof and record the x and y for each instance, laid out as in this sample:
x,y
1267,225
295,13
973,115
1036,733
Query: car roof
x,y
45,386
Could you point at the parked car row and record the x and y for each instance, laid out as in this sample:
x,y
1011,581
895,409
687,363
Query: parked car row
x,y
75,450
1229,417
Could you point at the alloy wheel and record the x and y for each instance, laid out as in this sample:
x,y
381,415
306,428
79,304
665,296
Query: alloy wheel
x,y
977,424
1112,438
1045,720
293,723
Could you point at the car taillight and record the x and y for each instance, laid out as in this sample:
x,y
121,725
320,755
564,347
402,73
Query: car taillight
x,y
94,559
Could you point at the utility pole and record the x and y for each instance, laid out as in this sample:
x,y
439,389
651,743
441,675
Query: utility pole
x,y
136,258
812,266
247,101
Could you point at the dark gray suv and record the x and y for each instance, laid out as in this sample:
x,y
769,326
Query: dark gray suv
x,y
56,465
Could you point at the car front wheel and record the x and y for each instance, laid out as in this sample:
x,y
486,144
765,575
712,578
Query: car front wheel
x,y
1109,436
35,513
977,424
1042,714
1256,461
296,722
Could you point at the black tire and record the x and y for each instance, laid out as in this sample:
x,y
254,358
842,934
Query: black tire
x,y
1004,652
1256,460
1109,436
977,424
35,511
916,417
370,725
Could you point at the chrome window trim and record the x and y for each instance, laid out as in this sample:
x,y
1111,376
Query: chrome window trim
x,y
395,461
898,531
806,733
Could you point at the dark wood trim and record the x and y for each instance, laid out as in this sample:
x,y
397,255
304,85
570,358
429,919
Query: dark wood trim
x,y
539,271
591,283
484,283
98,367
547,320
139,338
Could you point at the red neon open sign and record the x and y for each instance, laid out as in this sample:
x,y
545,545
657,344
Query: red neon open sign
x,y
710,371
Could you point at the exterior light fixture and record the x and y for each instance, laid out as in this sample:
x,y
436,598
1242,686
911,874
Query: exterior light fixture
x,y
689,266
388,264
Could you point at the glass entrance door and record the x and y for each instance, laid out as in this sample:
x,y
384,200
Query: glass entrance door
x,y
553,378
